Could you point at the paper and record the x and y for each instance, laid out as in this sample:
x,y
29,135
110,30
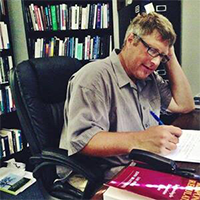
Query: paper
x,y
188,149
149,8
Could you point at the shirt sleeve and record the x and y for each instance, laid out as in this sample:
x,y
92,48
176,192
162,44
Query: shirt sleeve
x,y
87,114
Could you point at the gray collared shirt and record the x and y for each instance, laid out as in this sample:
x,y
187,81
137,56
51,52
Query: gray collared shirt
x,y
101,97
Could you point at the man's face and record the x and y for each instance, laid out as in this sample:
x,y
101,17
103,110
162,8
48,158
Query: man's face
x,y
138,63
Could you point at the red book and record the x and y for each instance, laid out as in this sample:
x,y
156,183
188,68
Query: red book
x,y
156,185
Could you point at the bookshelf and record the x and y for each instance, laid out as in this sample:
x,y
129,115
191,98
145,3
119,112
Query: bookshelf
x,y
10,131
79,29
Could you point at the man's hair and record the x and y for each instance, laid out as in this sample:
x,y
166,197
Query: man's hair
x,y
145,24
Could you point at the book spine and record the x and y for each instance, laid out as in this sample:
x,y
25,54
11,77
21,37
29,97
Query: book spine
x,y
54,17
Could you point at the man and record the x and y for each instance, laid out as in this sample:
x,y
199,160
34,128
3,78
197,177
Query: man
x,y
107,110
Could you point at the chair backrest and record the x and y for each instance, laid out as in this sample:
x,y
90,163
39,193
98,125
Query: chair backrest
x,y
39,91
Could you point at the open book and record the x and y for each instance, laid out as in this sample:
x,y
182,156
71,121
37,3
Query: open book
x,y
188,147
14,181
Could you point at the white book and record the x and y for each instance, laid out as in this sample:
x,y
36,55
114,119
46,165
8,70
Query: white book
x,y
4,32
11,104
61,12
7,132
95,17
37,48
105,16
77,15
73,17
10,62
113,193
84,16
87,16
60,47
63,20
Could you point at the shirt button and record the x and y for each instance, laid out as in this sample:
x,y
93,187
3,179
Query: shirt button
x,y
146,125
144,107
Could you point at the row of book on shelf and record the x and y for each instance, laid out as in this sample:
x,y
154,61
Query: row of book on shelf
x,y
4,39
68,17
6,101
10,142
91,48
6,64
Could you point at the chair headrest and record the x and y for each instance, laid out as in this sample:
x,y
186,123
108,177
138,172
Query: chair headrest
x,y
51,75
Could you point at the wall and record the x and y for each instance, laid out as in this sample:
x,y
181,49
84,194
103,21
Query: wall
x,y
191,42
17,31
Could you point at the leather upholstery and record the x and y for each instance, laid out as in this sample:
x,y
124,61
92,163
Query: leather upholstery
x,y
42,84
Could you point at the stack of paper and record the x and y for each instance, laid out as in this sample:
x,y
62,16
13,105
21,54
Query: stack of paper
x,y
188,147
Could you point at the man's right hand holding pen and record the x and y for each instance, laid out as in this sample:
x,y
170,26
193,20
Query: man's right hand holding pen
x,y
159,139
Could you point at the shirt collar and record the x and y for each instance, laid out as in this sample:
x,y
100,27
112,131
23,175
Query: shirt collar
x,y
121,75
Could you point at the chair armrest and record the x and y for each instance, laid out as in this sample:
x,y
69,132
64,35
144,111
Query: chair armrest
x,y
79,164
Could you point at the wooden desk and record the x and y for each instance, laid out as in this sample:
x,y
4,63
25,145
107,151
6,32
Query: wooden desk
x,y
185,121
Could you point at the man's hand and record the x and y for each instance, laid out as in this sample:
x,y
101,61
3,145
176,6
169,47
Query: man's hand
x,y
171,52
158,139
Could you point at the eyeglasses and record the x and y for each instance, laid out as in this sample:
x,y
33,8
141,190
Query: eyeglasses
x,y
153,52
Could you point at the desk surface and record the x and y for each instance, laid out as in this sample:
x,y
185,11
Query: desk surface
x,y
185,121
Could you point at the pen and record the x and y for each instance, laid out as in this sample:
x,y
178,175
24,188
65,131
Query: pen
x,y
156,118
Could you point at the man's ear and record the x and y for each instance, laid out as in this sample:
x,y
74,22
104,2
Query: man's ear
x,y
130,40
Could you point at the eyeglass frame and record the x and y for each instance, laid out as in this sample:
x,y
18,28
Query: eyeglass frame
x,y
149,48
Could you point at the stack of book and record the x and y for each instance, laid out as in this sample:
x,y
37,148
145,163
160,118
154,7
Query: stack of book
x,y
10,142
140,183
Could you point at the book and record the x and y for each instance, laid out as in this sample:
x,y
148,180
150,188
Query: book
x,y
153,184
113,193
14,181
54,17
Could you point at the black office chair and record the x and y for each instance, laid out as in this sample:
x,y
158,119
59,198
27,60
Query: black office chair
x,y
39,88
